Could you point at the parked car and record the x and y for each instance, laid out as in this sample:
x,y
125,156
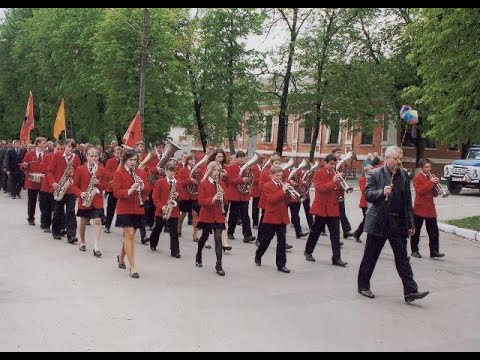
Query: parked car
x,y
464,173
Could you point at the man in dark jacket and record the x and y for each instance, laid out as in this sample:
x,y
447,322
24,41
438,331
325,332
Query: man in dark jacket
x,y
389,216
12,161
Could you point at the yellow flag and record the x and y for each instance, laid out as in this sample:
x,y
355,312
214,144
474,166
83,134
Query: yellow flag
x,y
59,121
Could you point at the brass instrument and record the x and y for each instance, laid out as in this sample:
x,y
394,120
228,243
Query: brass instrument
x,y
307,180
349,155
267,163
246,187
171,203
294,176
220,190
194,174
288,164
291,191
64,182
343,183
91,191
137,180
438,188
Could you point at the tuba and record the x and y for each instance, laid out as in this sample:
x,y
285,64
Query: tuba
x,y
288,164
195,174
244,188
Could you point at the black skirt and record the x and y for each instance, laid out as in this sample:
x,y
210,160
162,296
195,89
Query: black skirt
x,y
129,220
91,214
187,205
210,227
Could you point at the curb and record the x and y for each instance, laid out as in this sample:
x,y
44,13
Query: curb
x,y
465,233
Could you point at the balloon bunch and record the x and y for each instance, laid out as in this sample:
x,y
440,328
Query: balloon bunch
x,y
409,115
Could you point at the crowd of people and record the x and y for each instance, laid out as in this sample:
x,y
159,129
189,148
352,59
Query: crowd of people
x,y
152,191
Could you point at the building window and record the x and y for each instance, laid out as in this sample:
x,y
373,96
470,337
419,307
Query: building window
x,y
367,137
334,135
268,128
307,136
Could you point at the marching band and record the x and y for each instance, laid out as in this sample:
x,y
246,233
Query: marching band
x,y
153,189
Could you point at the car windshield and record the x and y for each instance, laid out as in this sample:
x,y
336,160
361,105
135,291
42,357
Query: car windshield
x,y
474,154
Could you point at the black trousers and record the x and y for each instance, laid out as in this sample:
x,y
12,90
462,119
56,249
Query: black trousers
x,y
64,216
395,233
173,229
294,211
334,230
306,207
432,230
270,230
111,206
236,208
255,211
150,212
32,203
46,209
217,236
346,227
359,230
16,183
3,180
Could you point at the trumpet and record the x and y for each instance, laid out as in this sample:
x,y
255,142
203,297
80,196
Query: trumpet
x,y
291,191
343,183
438,188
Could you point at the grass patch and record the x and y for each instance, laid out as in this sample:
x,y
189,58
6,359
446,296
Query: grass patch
x,y
467,223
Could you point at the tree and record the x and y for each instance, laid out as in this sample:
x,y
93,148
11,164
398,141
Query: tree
x,y
445,52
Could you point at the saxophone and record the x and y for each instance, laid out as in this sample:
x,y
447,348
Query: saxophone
x,y
64,182
171,203
91,191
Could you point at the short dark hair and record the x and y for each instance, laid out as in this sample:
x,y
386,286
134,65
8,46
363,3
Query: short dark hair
x,y
240,153
170,166
129,154
330,157
423,162
159,142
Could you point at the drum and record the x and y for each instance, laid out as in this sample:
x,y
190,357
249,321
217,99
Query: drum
x,y
36,177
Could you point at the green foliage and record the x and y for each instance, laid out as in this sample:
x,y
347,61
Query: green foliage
x,y
445,53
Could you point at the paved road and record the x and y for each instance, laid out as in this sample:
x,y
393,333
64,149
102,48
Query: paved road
x,y
55,298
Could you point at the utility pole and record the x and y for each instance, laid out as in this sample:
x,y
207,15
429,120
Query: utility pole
x,y
143,69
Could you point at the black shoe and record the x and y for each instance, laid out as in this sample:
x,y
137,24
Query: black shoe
x,y
303,234
31,223
366,293
341,243
47,230
63,233
135,275
347,235
19,196
153,248
284,269
258,261
220,271
97,253
436,254
107,231
121,265
415,296
288,246
230,237
72,240
198,263
178,256
83,248
323,233
248,239
144,240
339,262
225,248
57,237
416,254
309,257
357,239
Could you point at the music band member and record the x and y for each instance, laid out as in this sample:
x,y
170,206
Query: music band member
x,y
64,210
211,218
326,210
389,216
296,203
255,192
130,187
187,201
84,186
11,164
164,195
32,164
426,186
110,168
363,204
346,227
275,221
238,202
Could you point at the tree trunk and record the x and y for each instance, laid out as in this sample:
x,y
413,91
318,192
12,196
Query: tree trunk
x,y
283,117
465,146
197,105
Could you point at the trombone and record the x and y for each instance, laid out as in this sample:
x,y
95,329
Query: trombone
x,y
438,188
343,183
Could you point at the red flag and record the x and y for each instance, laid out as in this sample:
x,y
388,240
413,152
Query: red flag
x,y
134,132
28,122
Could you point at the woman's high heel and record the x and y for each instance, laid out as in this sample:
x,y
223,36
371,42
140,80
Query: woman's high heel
x,y
225,248
121,265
